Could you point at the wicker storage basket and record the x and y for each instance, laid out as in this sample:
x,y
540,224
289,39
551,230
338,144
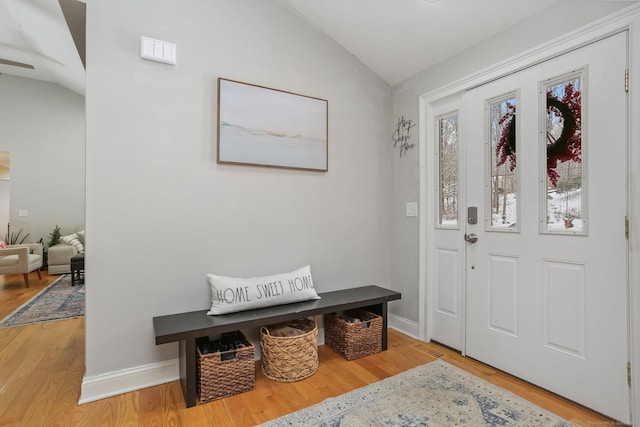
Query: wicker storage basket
x,y
354,340
226,373
288,359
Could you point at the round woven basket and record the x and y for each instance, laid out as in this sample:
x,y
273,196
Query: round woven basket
x,y
288,359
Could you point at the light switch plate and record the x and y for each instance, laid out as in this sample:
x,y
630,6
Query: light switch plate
x,y
23,212
157,50
412,209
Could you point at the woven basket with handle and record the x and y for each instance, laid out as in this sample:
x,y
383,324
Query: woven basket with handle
x,y
291,358
354,340
225,373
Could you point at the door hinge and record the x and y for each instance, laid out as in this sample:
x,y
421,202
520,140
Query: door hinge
x,y
626,80
629,373
626,227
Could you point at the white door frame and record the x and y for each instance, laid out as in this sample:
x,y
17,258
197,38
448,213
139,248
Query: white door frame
x,y
626,19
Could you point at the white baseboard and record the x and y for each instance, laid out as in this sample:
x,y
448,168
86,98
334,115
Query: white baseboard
x,y
118,382
403,325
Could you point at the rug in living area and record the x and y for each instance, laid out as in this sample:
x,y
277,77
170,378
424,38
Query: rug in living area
x,y
434,394
57,301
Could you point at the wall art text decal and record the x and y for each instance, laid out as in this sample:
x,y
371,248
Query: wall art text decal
x,y
402,134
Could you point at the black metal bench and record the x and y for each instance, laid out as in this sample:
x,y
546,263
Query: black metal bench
x,y
185,328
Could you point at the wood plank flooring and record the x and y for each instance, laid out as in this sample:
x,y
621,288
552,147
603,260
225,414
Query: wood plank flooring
x,y
41,370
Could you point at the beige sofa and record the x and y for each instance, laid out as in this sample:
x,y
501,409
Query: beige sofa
x,y
59,256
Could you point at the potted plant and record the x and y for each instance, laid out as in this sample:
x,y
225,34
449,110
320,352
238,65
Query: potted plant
x,y
13,238
54,237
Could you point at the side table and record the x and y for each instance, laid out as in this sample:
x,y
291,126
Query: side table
x,y
77,269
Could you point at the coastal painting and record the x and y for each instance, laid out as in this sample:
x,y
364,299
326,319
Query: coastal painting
x,y
259,126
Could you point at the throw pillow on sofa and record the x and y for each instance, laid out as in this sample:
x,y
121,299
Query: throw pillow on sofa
x,y
232,294
73,240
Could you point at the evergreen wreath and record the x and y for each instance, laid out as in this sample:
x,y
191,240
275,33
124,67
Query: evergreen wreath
x,y
506,146
568,146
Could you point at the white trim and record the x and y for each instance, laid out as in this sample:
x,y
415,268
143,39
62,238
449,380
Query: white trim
x,y
634,218
403,325
625,19
118,382
113,383
425,116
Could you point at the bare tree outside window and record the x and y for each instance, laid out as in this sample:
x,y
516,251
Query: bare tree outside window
x,y
564,155
448,169
502,135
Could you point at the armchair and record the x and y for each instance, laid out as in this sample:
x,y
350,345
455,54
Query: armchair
x,y
17,259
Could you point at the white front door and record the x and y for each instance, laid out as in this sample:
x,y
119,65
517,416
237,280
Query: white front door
x,y
546,279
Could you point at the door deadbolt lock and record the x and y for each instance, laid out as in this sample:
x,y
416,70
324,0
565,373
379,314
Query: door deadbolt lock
x,y
472,215
471,238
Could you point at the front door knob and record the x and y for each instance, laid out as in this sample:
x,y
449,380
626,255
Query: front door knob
x,y
471,238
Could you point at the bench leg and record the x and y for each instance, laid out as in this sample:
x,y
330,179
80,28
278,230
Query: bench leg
x,y
381,310
188,371
384,326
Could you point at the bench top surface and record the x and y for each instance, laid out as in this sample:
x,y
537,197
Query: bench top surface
x,y
176,327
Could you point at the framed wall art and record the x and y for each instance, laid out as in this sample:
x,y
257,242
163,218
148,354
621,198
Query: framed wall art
x,y
259,126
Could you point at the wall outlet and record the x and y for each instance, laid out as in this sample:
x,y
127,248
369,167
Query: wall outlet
x,y
23,212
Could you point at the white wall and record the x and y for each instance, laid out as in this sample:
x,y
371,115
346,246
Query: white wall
x,y
545,26
161,213
42,127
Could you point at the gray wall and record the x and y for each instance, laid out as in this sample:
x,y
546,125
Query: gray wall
x,y
543,27
161,213
43,128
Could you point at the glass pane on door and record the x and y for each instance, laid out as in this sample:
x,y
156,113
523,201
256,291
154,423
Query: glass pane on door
x,y
503,184
563,143
448,169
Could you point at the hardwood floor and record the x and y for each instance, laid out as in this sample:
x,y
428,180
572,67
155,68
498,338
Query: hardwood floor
x,y
13,293
41,369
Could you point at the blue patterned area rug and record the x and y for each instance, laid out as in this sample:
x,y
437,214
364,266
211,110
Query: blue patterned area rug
x,y
57,301
434,394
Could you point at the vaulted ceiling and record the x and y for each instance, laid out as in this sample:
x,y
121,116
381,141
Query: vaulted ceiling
x,y
399,38
45,39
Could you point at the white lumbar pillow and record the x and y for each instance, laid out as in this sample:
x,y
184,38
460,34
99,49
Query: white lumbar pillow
x,y
73,240
231,294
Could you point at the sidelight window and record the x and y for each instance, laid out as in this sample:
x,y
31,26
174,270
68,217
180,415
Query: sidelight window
x,y
448,169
